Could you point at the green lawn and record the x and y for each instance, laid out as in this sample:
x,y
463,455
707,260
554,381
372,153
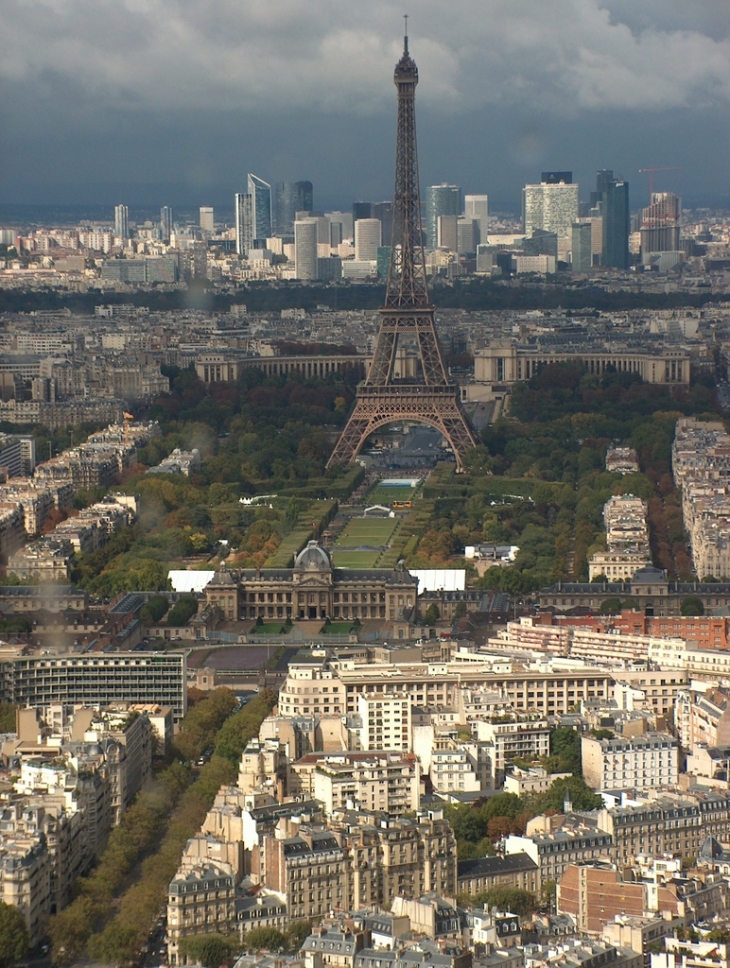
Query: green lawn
x,y
337,628
386,495
366,531
270,628
355,559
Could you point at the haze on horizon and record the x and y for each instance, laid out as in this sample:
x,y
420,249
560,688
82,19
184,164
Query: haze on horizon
x,y
174,101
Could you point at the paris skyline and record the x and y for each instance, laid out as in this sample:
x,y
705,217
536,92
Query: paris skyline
x,y
155,102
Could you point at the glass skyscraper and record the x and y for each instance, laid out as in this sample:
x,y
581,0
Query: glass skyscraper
x,y
616,223
440,200
290,198
260,192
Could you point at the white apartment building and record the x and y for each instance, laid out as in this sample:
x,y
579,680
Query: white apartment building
x,y
526,738
386,722
630,763
387,782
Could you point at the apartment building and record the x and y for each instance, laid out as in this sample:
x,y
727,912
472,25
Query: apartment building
x,y
95,679
513,737
25,877
627,540
703,717
312,869
630,763
386,722
545,691
668,824
200,900
554,843
376,780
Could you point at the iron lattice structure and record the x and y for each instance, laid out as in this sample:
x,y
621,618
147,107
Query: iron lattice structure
x,y
407,338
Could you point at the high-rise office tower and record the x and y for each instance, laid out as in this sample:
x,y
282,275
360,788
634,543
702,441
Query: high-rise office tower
x,y
345,222
207,219
467,236
290,198
121,221
614,207
477,207
447,232
165,223
581,246
305,249
260,192
552,205
660,222
379,210
441,199
368,237
243,211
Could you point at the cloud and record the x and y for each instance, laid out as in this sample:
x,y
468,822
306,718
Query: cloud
x,y
332,56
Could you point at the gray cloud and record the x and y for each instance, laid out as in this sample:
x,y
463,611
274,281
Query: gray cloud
x,y
103,95
329,55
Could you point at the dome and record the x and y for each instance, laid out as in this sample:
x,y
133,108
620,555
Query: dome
x,y
312,558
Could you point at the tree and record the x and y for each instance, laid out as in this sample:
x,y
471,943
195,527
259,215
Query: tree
x,y
154,609
7,717
692,605
181,613
433,614
211,950
14,939
297,933
259,938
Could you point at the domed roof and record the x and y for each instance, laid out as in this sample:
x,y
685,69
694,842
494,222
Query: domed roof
x,y
312,558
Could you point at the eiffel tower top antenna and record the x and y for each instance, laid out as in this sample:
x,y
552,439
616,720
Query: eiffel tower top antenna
x,y
407,288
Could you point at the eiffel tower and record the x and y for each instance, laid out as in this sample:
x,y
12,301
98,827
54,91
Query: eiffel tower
x,y
407,318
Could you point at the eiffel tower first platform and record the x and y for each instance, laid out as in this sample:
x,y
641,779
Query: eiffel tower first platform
x,y
407,331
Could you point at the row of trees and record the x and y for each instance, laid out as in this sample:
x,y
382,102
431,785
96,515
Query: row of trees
x,y
114,906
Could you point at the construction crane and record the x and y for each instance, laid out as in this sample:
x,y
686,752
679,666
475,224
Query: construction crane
x,y
651,171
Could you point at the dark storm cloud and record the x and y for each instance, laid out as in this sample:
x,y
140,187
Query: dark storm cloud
x,y
100,96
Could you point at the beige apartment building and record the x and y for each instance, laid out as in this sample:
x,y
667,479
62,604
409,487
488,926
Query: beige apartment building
x,y
317,687
630,763
200,900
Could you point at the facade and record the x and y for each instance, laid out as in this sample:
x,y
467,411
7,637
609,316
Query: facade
x,y
616,223
485,873
630,763
386,722
290,198
96,678
315,589
243,211
200,900
581,246
476,207
315,687
386,782
506,361
552,206
121,221
368,238
669,824
260,192
660,224
166,223
305,249
555,843
627,540
441,199
207,219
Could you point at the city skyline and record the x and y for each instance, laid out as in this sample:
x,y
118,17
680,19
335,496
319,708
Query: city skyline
x,y
175,99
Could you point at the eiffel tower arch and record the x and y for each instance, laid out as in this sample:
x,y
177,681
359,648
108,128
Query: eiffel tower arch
x,y
407,379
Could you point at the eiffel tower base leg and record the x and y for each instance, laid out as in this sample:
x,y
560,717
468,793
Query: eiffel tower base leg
x,y
436,406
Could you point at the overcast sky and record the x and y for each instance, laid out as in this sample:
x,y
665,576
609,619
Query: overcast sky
x,y
174,101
